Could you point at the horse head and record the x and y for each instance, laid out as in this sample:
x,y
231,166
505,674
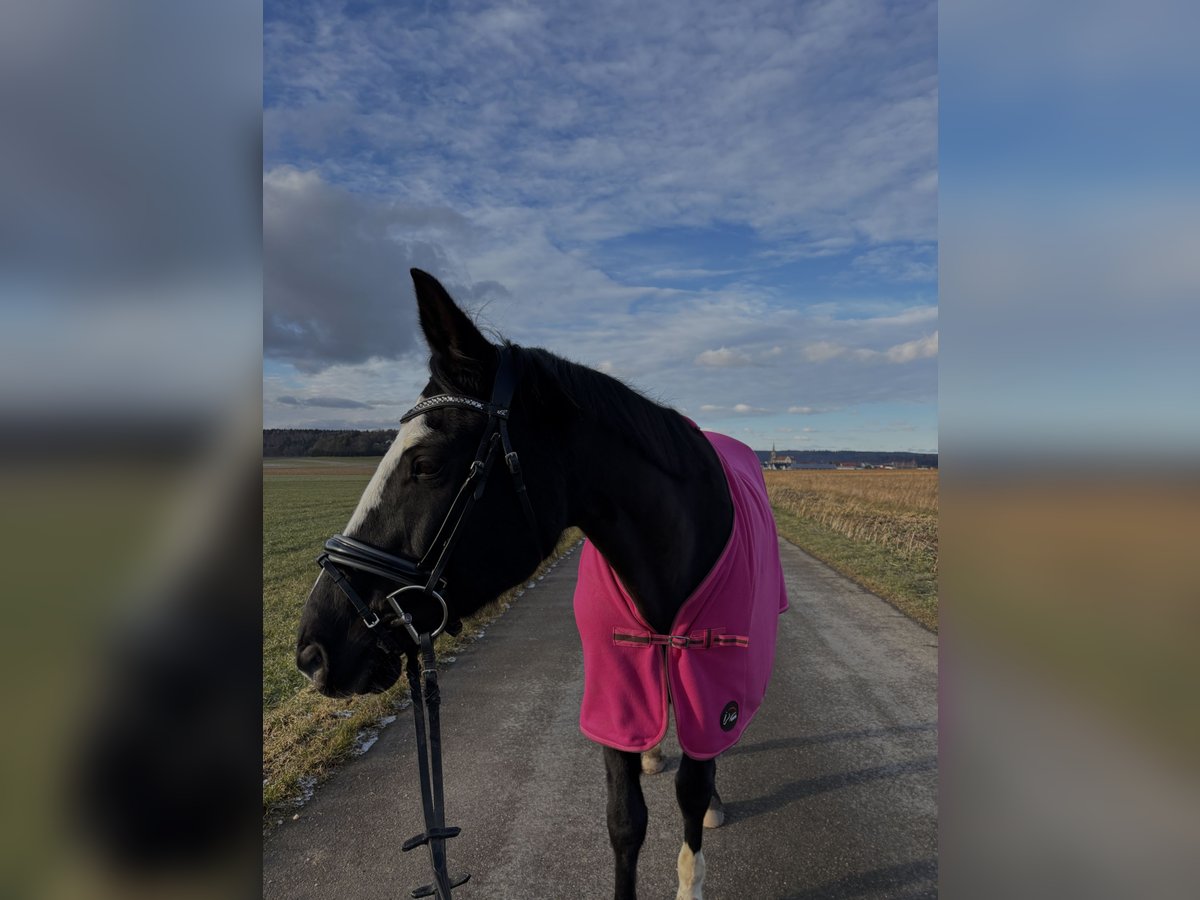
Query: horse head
x,y
410,504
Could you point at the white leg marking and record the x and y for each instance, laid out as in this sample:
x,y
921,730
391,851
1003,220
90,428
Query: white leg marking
x,y
691,874
410,433
652,760
714,816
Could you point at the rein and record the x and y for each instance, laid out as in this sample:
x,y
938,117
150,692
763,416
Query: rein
x,y
423,578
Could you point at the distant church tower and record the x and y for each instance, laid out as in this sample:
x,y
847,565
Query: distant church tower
x,y
776,461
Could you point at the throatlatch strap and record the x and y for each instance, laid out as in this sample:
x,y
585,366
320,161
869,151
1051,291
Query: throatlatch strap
x,y
518,479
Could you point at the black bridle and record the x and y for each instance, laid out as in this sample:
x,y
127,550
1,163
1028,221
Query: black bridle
x,y
423,579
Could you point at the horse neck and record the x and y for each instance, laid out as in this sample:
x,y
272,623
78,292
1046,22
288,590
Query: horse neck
x,y
660,529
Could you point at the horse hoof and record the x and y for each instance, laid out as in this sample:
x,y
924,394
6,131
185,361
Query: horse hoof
x,y
714,817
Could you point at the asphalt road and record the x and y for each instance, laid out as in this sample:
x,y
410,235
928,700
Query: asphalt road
x,y
832,792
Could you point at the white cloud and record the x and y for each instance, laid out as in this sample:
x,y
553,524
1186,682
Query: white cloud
x,y
740,409
810,248
909,351
686,274
823,351
899,262
921,348
917,315
614,124
722,357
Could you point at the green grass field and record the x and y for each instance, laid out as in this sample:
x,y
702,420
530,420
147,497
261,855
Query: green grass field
x,y
303,503
305,735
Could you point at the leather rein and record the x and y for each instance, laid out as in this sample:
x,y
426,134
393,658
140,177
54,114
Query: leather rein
x,y
422,579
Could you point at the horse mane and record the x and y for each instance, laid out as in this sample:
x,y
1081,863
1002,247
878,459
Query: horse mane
x,y
660,434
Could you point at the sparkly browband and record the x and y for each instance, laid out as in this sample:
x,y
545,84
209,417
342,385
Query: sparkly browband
x,y
441,401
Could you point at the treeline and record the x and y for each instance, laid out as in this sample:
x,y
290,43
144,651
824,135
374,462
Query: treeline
x,y
320,442
871,457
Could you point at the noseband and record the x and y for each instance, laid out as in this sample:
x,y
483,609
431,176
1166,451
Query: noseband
x,y
423,578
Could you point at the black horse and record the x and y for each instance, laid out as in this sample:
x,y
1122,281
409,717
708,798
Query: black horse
x,y
642,483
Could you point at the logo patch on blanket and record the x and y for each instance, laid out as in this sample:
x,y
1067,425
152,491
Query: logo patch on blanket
x,y
713,667
729,716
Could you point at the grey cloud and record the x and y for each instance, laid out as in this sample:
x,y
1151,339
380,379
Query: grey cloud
x,y
336,287
323,402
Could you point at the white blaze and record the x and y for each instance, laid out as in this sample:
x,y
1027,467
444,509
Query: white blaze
x,y
411,432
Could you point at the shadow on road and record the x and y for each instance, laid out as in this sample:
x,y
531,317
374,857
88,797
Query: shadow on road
x,y
878,881
808,787
810,740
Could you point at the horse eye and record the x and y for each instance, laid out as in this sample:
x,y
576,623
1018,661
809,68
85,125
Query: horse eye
x,y
425,467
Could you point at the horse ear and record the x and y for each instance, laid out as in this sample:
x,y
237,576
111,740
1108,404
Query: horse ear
x,y
449,331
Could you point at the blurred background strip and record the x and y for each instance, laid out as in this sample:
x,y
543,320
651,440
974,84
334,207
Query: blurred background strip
x,y
130,335
1070,430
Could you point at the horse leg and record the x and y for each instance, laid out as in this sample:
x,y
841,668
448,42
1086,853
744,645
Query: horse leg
x,y
652,760
694,788
626,817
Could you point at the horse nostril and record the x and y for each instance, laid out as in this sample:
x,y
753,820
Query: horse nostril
x,y
312,661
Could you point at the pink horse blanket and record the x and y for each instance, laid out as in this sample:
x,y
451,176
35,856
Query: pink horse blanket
x,y
714,666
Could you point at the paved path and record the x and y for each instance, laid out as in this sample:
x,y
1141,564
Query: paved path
x,y
832,792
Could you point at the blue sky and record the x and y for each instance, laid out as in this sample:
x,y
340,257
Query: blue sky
x,y
733,207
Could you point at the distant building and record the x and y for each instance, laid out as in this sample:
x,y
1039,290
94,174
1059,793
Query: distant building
x,y
775,462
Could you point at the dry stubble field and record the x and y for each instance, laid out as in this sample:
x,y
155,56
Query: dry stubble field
x,y
876,526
